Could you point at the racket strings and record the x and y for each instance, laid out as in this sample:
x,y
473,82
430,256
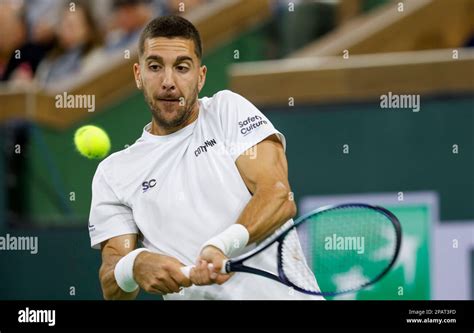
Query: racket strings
x,y
294,265
343,248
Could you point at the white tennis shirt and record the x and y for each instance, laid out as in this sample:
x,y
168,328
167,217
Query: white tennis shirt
x,y
178,190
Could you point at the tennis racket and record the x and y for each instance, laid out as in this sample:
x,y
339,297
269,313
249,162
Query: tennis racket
x,y
330,251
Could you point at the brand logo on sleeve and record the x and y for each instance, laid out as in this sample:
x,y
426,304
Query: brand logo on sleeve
x,y
148,184
203,148
248,125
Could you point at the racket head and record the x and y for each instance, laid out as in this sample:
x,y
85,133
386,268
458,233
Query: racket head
x,y
330,272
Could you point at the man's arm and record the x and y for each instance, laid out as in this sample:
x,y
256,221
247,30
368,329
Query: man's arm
x,y
112,251
154,273
266,177
271,205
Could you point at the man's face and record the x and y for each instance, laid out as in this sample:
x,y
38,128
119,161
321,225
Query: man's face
x,y
170,75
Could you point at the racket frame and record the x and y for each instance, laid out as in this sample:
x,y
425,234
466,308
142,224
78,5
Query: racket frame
x,y
236,264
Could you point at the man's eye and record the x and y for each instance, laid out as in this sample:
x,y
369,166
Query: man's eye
x,y
182,68
154,67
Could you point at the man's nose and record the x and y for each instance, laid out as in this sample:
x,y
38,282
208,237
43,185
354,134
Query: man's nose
x,y
168,82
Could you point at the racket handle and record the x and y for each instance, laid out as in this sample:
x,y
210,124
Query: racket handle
x,y
186,270
223,270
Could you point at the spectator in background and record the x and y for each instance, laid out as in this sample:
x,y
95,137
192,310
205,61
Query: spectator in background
x,y
42,16
19,58
77,38
129,16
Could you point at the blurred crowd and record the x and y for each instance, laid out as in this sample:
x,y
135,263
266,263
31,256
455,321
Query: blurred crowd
x,y
45,41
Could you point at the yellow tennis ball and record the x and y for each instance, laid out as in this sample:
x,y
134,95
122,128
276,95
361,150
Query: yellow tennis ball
x,y
92,141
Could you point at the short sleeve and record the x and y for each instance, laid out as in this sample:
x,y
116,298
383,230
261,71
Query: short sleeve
x,y
108,216
243,124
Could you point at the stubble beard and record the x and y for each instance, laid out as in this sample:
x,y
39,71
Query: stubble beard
x,y
183,111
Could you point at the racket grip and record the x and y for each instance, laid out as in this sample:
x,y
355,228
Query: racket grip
x,y
186,270
223,270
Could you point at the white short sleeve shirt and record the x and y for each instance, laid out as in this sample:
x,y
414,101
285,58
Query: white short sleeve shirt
x,y
181,189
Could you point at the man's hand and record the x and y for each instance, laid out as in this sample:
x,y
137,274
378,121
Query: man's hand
x,y
159,274
208,267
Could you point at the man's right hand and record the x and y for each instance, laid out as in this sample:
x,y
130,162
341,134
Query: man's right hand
x,y
159,274
208,267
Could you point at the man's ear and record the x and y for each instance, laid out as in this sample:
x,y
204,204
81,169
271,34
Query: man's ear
x,y
202,77
137,74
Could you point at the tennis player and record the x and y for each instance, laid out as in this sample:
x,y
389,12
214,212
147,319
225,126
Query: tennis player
x,y
206,181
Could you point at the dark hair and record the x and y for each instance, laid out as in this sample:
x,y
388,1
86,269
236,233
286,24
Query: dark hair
x,y
171,26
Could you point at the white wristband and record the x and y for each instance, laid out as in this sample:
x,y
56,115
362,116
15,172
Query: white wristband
x,y
123,271
230,240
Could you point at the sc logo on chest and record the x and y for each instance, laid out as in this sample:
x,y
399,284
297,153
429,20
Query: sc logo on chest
x,y
146,185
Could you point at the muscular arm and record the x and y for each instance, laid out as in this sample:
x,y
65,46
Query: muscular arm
x,y
271,205
112,251
154,273
266,177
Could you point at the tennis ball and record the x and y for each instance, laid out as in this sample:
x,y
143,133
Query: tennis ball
x,y
92,141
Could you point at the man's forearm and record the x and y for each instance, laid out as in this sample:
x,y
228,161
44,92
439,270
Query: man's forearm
x,y
270,207
110,288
